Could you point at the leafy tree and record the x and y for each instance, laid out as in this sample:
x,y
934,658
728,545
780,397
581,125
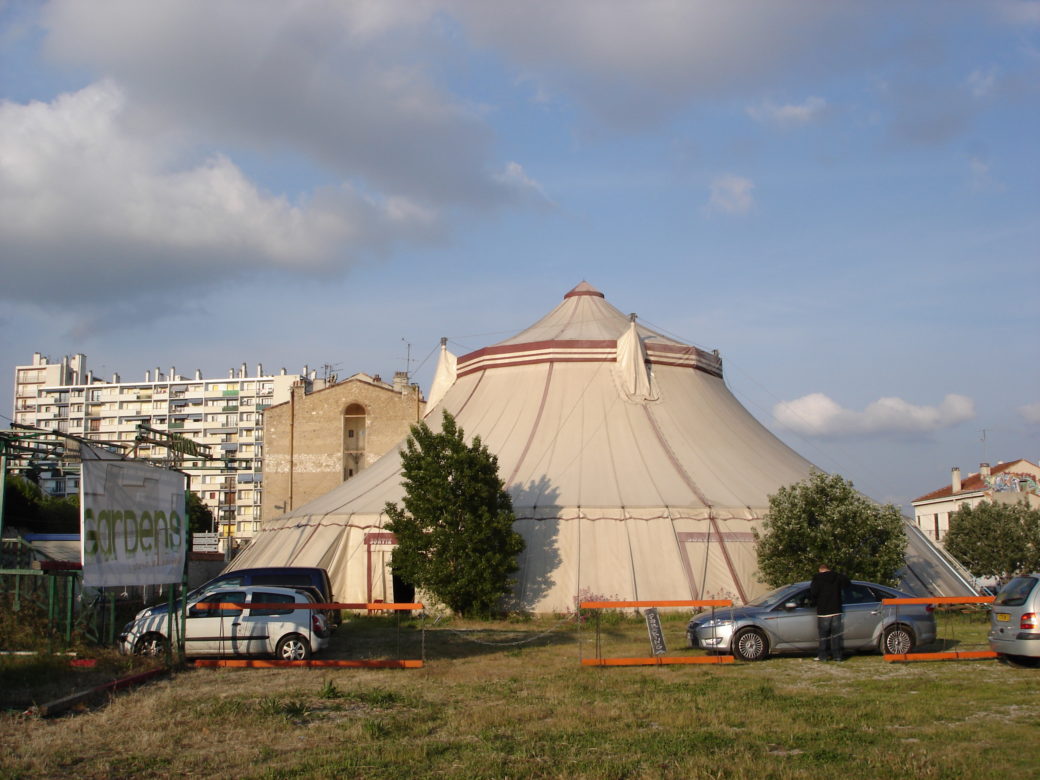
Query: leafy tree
x,y
995,539
29,508
455,534
824,520
200,517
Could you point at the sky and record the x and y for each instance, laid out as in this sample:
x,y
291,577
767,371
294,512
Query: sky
x,y
840,197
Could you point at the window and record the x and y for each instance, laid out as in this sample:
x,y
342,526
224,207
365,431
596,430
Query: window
x,y
231,605
858,594
260,597
1014,594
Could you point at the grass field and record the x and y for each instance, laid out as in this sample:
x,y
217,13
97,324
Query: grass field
x,y
510,699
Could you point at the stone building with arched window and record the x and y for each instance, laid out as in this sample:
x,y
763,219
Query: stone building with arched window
x,y
315,441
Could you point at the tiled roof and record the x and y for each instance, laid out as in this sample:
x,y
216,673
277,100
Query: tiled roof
x,y
969,484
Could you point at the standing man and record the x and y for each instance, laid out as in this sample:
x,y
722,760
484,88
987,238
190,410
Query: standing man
x,y
825,592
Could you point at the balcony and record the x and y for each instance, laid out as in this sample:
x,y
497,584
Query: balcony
x,y
230,393
229,408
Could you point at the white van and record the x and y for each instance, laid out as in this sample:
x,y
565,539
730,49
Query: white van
x,y
225,622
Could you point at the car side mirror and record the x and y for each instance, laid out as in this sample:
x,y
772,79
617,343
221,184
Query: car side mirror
x,y
790,605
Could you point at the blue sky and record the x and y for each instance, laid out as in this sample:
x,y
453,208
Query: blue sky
x,y
841,197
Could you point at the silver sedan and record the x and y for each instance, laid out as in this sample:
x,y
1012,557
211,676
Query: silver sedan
x,y
784,621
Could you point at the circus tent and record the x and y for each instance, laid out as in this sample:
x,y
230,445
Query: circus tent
x,y
634,471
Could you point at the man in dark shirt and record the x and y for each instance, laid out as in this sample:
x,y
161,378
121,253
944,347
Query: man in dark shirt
x,y
825,591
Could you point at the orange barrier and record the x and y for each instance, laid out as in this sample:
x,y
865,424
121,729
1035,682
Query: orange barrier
x,y
656,660
940,600
949,655
627,604
705,659
945,656
260,663
373,607
322,663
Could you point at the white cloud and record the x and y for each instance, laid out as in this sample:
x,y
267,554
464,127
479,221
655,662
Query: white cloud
x,y
516,177
1024,12
981,176
818,415
348,87
982,82
789,115
1030,412
89,208
631,63
731,195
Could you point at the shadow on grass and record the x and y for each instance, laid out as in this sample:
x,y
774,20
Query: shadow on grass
x,y
370,638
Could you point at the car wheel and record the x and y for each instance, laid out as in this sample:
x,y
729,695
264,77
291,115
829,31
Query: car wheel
x,y
152,644
293,647
897,640
750,644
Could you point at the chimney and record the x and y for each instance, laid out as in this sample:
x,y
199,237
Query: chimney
x,y
984,470
173,374
198,373
147,376
400,381
259,369
955,479
242,372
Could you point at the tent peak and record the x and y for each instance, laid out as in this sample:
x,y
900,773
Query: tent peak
x,y
584,289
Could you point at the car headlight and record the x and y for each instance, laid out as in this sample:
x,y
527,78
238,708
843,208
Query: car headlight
x,y
713,623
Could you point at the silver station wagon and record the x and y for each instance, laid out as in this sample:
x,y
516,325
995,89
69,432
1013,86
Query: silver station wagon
x,y
1014,620
224,622
784,621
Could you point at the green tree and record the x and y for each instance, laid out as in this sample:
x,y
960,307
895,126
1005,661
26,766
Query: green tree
x,y
995,540
824,520
200,517
455,534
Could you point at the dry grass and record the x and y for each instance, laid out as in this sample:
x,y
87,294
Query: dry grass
x,y
481,709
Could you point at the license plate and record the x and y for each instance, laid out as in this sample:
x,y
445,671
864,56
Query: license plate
x,y
1003,617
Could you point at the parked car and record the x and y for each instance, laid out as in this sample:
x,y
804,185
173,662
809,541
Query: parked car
x,y
784,621
279,576
290,632
1014,620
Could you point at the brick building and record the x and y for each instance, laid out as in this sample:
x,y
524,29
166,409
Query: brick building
x,y
315,441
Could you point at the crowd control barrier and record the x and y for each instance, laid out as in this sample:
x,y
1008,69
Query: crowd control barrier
x,y
947,655
322,663
654,628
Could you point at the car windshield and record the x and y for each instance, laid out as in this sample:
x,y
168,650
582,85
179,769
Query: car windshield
x,y
775,597
1015,593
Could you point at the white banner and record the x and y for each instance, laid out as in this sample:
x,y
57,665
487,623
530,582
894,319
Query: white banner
x,y
133,525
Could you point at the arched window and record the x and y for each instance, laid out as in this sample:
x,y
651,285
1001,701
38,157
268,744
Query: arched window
x,y
353,440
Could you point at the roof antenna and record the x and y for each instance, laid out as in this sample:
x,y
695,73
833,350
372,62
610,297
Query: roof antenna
x,y
408,356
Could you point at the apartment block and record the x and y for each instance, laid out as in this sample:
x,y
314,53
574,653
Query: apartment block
x,y
226,414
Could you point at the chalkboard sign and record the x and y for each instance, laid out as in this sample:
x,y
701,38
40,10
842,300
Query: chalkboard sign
x,y
653,627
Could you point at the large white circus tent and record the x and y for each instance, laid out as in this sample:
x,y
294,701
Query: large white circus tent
x,y
635,474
